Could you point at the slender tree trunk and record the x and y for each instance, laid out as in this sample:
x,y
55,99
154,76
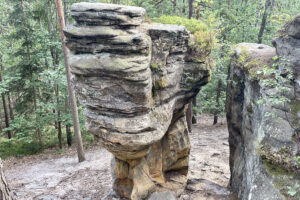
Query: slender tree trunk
x,y
5,193
11,111
194,119
191,8
6,116
55,62
38,130
174,6
198,11
218,102
264,21
183,8
5,107
229,4
189,109
73,103
189,117
258,12
68,126
69,135
59,131
66,12
59,135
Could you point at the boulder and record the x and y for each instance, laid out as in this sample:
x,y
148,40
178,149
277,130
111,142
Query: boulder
x,y
135,82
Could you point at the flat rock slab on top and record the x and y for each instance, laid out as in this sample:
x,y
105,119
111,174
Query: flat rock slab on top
x,y
107,14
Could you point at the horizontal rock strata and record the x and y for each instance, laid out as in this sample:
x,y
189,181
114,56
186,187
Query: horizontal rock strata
x,y
134,82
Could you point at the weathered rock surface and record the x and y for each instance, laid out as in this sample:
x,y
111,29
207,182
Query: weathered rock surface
x,y
264,142
5,193
166,195
134,81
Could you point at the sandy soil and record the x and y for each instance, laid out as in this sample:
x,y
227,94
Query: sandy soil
x,y
49,176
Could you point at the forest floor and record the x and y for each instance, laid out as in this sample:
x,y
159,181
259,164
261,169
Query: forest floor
x,y
51,176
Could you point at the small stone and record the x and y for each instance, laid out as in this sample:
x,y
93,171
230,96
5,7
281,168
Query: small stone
x,y
166,195
185,197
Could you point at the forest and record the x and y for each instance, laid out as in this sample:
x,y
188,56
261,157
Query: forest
x,y
36,112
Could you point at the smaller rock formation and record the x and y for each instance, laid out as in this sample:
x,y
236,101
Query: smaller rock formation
x,y
134,80
263,118
4,189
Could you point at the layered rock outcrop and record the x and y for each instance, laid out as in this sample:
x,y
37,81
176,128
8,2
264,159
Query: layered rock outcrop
x,y
263,118
134,80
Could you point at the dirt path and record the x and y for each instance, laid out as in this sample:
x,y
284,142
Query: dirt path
x,y
49,176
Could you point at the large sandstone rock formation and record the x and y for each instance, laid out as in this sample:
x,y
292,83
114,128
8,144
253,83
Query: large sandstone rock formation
x,y
134,80
264,133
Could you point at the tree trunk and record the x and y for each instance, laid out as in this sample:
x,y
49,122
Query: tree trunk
x,y
72,99
5,107
59,131
55,62
66,12
5,193
229,4
194,119
183,8
174,6
218,102
264,21
68,126
191,8
189,117
38,130
11,111
198,11
69,135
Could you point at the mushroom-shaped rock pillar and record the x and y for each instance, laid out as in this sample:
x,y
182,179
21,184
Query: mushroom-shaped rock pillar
x,y
134,80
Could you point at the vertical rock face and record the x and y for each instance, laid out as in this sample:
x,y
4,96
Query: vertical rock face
x,y
264,137
5,193
134,80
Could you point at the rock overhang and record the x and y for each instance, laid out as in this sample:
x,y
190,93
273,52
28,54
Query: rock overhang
x,y
134,81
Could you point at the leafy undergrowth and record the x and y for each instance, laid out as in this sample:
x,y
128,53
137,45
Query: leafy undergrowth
x,y
22,147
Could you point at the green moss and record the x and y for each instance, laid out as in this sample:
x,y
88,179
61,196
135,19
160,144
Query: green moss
x,y
190,80
282,158
295,109
282,179
155,67
275,169
159,84
203,40
193,25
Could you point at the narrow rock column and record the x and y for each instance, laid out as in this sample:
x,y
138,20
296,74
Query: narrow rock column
x,y
263,148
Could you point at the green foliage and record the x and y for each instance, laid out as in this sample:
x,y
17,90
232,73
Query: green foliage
x,y
271,77
204,40
14,147
292,191
192,25
34,76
